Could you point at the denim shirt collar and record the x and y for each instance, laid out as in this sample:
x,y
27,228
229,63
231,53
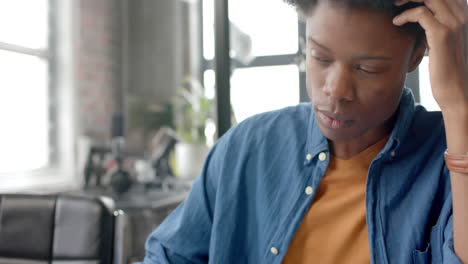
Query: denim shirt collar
x,y
317,142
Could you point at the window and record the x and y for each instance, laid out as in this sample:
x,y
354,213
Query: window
x,y
264,54
261,89
426,98
270,35
24,82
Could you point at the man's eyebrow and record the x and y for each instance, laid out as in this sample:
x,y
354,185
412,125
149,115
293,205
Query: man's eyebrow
x,y
373,58
318,44
365,57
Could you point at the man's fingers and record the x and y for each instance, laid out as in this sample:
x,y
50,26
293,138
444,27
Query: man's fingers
x,y
442,9
421,15
402,2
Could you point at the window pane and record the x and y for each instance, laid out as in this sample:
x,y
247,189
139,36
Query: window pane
x,y
24,137
210,84
427,100
272,25
208,29
24,23
269,35
261,89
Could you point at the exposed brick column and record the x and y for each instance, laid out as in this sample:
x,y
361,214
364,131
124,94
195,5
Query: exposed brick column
x,y
98,65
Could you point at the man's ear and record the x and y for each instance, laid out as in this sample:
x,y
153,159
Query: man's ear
x,y
417,56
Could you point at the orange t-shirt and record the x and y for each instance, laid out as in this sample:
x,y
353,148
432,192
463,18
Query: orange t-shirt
x,y
334,229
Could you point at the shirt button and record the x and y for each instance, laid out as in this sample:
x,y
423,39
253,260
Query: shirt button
x,y
309,190
309,157
322,156
274,251
393,154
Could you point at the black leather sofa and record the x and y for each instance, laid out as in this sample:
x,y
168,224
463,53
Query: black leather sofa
x,y
60,229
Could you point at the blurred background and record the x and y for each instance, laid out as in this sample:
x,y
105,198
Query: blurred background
x,y
124,98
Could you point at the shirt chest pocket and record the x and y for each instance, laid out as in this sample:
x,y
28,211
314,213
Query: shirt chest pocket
x,y
432,252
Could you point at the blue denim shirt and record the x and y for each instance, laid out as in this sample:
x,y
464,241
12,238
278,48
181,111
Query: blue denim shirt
x,y
250,197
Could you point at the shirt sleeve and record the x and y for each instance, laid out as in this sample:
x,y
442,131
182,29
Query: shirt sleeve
x,y
184,236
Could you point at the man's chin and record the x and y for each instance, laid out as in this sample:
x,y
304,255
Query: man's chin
x,y
337,135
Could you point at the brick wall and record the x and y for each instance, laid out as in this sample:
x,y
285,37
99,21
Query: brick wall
x,y
98,64
159,52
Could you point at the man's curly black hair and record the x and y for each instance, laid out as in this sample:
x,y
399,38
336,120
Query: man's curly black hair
x,y
384,6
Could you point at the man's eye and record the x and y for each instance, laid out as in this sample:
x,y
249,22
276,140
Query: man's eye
x,y
322,59
366,70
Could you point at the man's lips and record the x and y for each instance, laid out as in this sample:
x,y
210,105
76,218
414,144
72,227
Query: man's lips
x,y
340,117
334,121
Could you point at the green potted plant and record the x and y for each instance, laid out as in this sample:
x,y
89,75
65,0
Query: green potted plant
x,y
192,111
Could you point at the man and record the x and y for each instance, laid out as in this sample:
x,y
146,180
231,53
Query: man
x,y
359,175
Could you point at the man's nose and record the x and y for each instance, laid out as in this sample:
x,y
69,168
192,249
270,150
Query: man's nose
x,y
339,85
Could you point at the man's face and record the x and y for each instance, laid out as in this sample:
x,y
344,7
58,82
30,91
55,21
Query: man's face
x,y
357,62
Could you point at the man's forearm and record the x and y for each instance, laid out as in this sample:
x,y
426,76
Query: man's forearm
x,y
456,126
